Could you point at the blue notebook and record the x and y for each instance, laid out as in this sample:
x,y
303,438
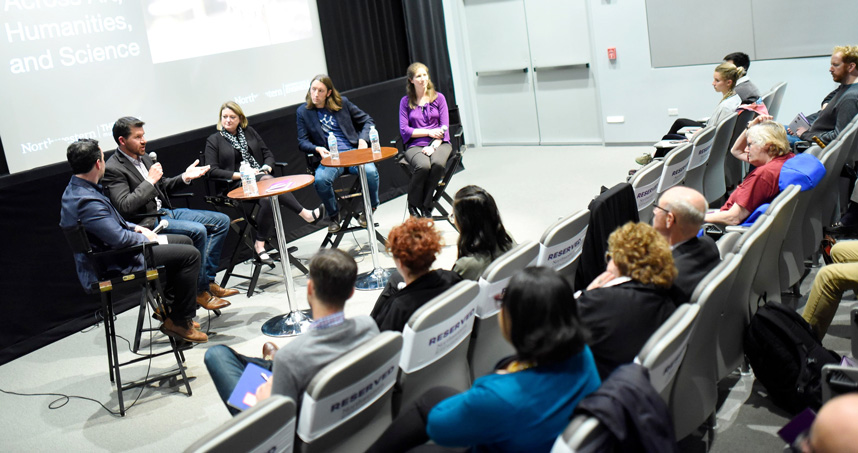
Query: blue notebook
x,y
244,394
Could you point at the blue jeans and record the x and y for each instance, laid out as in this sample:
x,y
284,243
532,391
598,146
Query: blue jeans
x,y
207,229
324,184
225,367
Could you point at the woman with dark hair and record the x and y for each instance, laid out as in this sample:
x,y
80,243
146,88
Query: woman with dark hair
x,y
528,401
482,237
624,305
235,142
423,123
414,245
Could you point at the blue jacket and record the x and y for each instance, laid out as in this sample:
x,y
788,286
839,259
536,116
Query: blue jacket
x,y
84,201
354,122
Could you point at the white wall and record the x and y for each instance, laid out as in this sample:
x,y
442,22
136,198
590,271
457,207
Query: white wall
x,y
631,88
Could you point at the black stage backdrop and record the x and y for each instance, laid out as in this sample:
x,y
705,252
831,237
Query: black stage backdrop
x,y
41,295
367,50
427,43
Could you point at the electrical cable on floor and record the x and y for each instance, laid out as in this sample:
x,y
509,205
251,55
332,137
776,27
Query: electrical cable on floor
x,y
66,398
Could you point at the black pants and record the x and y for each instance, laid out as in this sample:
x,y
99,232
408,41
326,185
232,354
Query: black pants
x,y
408,431
683,122
181,262
265,216
426,173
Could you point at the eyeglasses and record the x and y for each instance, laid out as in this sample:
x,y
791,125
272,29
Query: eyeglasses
x,y
666,211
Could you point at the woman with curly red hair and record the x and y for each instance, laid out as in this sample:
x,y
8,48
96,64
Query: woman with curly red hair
x,y
414,245
624,305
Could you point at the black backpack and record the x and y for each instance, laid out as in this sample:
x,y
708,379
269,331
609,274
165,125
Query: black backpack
x,y
786,356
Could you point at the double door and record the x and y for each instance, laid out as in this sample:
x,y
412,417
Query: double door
x,y
531,74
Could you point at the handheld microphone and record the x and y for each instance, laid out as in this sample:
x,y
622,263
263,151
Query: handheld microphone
x,y
154,156
161,225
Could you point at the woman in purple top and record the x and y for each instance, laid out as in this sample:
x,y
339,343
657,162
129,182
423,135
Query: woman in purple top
x,y
423,124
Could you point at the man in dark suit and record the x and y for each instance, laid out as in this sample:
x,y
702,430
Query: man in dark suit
x,y
678,216
84,202
136,186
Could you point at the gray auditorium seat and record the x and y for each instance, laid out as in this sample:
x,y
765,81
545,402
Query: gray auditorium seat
x,y
561,244
736,313
735,169
695,393
823,201
727,242
347,406
714,185
769,98
645,184
487,344
774,105
266,427
767,284
791,266
675,166
665,349
435,344
584,434
700,152
837,380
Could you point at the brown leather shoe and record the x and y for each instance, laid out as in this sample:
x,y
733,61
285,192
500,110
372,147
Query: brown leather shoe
x,y
216,290
206,300
268,350
160,317
183,331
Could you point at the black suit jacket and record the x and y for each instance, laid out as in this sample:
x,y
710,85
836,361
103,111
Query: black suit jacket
x,y
613,208
621,319
395,306
129,192
221,155
693,259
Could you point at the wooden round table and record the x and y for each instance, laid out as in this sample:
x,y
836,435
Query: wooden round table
x,y
377,278
294,322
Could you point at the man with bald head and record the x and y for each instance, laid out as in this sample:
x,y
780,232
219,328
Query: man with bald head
x,y
835,428
678,216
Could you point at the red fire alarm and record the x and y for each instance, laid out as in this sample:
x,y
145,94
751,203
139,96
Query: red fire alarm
x,y
612,53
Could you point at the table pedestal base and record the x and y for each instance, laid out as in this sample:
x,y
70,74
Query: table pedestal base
x,y
375,279
287,325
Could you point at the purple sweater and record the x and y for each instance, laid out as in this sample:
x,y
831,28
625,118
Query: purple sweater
x,y
431,116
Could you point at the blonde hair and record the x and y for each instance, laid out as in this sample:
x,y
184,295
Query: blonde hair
x,y
413,102
235,108
772,134
640,252
732,73
850,53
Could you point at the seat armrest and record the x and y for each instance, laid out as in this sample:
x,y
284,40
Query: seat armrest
x,y
134,249
737,229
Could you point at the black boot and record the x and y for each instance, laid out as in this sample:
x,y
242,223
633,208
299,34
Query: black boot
x,y
413,211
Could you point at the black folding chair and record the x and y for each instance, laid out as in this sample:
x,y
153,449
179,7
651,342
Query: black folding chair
x,y
453,166
243,215
108,282
349,201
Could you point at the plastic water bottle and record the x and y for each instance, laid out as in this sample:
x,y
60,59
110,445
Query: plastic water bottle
x,y
332,147
248,180
373,140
